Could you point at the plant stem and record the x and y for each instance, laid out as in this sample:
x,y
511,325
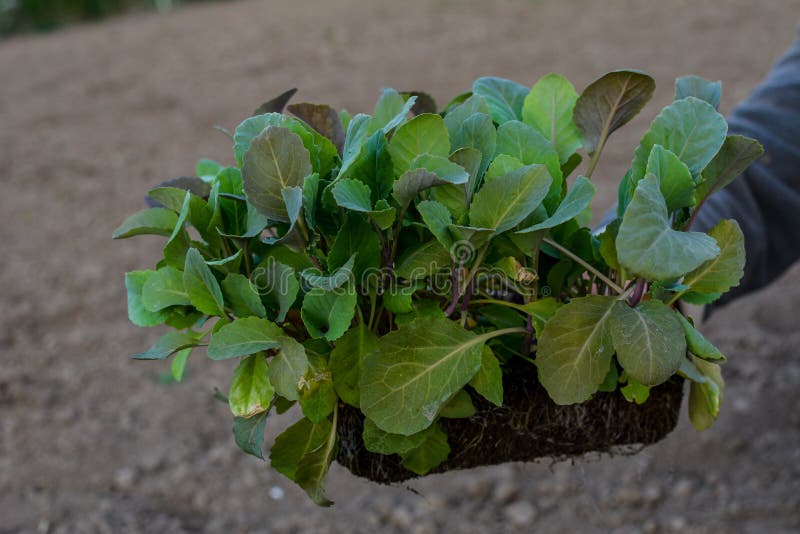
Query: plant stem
x,y
585,265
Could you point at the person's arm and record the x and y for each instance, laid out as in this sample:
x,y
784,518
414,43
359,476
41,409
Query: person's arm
x,y
765,199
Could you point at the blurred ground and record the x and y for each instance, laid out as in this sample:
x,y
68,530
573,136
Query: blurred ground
x,y
90,441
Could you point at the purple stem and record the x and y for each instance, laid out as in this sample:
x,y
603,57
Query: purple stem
x,y
638,292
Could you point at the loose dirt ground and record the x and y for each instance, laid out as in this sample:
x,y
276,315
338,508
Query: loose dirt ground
x,y
91,441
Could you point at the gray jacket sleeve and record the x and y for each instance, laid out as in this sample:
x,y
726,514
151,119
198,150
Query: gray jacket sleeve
x,y
765,199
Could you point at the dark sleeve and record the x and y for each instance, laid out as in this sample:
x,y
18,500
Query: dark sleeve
x,y
765,200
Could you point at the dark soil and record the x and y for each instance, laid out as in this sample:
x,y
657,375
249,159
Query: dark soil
x,y
91,441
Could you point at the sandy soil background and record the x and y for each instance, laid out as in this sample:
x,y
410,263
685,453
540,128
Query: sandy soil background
x,y
91,441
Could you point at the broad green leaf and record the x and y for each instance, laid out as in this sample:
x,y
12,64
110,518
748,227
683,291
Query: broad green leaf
x,y
505,97
634,391
502,165
163,289
423,260
577,199
697,343
647,246
674,178
250,393
524,143
398,298
168,344
201,286
436,218
478,132
178,366
374,167
549,108
415,371
207,169
293,237
458,114
248,433
381,442
698,87
705,397
323,119
541,311
276,283
505,201
317,396
288,367
736,154
383,215
610,102
353,195
390,110
444,168
459,406
244,336
295,442
312,469
608,247
412,182
321,150
357,133
347,359
424,134
700,299
241,296
488,381
358,238
611,380
433,451
471,160
690,128
276,160
400,117
575,349
327,314
649,341
137,313
724,271
155,221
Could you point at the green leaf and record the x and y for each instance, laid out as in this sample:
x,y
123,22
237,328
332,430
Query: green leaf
x,y
541,311
293,237
250,393
155,221
649,341
382,442
317,396
422,260
460,113
383,215
501,165
248,433
705,397
356,239
295,442
312,469
647,246
609,103
178,365
164,289
608,247
505,97
698,87
358,130
433,451
674,178
327,314
578,199
611,380
424,134
412,182
700,299
323,119
690,128
724,271
347,360
524,143
477,132
240,294
374,166
276,160
288,367
399,118
415,371
549,108
310,198
505,201
168,344
459,406
634,391
488,381
437,218
276,282
736,154
575,349
398,298
201,286
697,344
244,336
338,277
231,264
353,195
444,168
137,313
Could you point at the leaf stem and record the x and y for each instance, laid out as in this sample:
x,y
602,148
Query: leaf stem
x,y
577,259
